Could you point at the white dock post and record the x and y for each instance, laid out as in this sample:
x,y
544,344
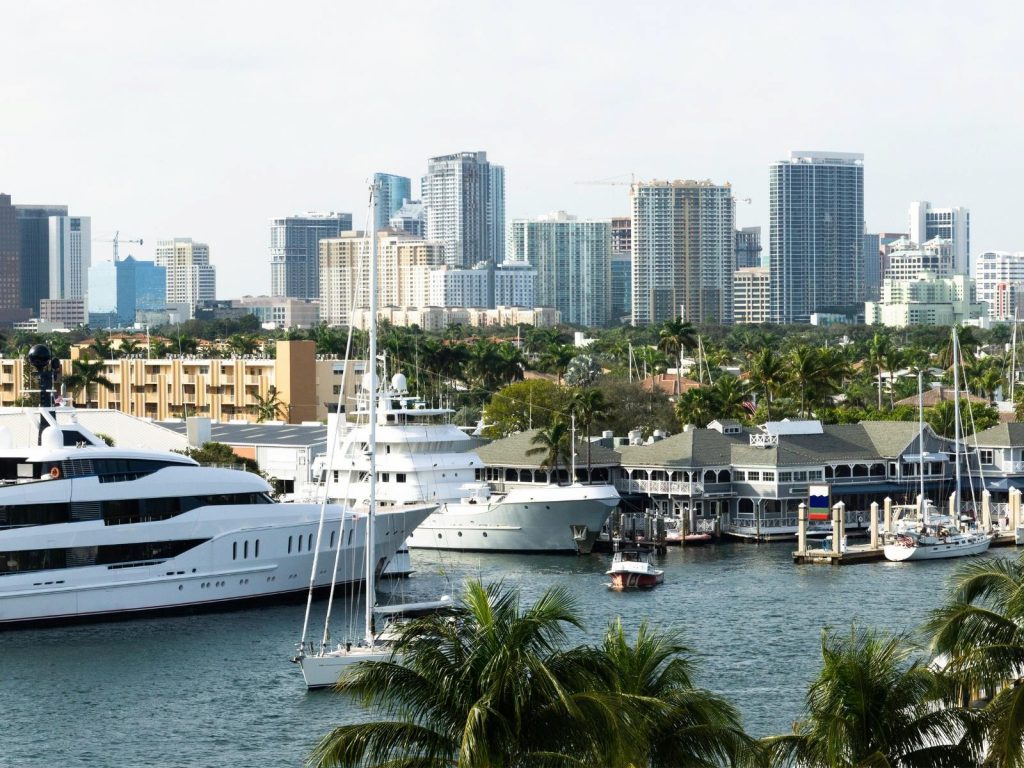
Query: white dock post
x,y
873,522
1014,510
986,511
838,518
801,528
887,503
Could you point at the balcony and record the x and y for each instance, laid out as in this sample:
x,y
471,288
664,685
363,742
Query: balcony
x,y
663,487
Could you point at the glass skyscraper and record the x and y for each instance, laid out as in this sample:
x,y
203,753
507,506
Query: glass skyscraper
x,y
295,251
816,251
117,289
392,191
34,232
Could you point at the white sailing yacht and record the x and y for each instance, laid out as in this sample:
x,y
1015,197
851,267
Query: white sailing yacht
x,y
322,664
931,542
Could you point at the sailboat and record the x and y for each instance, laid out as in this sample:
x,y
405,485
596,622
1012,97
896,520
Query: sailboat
x,y
931,542
322,666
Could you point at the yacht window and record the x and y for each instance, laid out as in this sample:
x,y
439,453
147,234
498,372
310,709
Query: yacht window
x,y
300,542
350,532
19,515
331,545
289,545
234,550
111,555
400,477
245,550
257,552
309,543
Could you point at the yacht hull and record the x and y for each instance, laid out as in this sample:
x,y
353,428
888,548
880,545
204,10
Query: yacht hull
x,y
536,519
211,576
323,670
942,551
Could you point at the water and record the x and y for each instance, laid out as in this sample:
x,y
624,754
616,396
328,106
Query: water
x,y
218,689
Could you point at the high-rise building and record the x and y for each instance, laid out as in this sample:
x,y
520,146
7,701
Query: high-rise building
x,y
572,259
70,244
751,295
10,262
191,278
410,218
454,287
907,259
621,268
953,224
1000,281
118,289
464,197
295,250
925,300
404,264
392,192
872,266
34,232
684,251
748,247
816,249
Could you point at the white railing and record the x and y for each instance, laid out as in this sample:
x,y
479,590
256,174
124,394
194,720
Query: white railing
x,y
667,487
705,525
759,440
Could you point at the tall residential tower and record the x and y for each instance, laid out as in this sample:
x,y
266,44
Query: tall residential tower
x,y
191,278
684,251
392,192
927,223
464,198
572,259
816,235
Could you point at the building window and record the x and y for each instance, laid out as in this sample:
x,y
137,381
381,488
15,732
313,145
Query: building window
x,y
754,477
986,455
739,475
785,477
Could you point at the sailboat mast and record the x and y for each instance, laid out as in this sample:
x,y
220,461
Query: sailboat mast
x,y
371,446
920,431
956,418
1013,354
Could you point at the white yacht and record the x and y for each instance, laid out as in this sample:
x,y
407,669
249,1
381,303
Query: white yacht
x,y
91,531
422,456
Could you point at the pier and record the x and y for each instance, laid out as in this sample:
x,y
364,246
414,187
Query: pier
x,y
835,551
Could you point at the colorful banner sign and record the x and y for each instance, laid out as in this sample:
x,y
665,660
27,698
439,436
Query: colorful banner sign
x,y
818,506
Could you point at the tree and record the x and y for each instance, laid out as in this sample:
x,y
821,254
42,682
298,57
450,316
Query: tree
x,y
220,454
880,349
941,417
979,633
242,344
522,406
674,336
556,359
587,405
85,373
582,371
683,725
553,442
873,704
269,407
490,686
767,375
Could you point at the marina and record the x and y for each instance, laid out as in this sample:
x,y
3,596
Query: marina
x,y
158,691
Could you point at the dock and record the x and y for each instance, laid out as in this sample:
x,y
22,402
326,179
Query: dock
x,y
836,552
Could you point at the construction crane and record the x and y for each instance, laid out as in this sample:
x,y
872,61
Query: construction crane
x,y
116,240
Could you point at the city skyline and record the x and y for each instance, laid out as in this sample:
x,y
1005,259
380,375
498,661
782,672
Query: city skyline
x,y
542,103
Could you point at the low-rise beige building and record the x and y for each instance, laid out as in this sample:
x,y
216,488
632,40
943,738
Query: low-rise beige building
x,y
223,389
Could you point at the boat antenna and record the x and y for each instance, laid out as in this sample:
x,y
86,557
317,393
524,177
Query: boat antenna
x,y
572,449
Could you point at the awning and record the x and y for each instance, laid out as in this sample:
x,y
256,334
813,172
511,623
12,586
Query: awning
x,y
839,489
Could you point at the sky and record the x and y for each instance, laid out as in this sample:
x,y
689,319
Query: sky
x,y
206,119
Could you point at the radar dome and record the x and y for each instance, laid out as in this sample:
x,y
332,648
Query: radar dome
x,y
39,356
399,383
369,382
52,439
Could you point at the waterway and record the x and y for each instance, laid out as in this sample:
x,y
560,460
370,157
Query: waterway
x,y
219,690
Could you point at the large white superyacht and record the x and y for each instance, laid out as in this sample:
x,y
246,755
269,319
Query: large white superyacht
x,y
422,456
91,531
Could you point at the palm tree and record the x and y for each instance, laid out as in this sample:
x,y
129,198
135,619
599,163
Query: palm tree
x,y
873,704
879,350
556,359
674,336
587,405
269,407
482,364
553,442
101,347
241,344
732,397
767,375
684,725
805,374
510,364
489,687
980,631
85,373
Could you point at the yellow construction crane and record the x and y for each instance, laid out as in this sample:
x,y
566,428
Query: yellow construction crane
x,y
117,239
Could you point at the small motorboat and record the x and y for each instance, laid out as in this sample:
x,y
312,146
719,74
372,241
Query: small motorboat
x,y
633,566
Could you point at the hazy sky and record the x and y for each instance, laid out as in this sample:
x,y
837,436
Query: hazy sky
x,y
205,119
